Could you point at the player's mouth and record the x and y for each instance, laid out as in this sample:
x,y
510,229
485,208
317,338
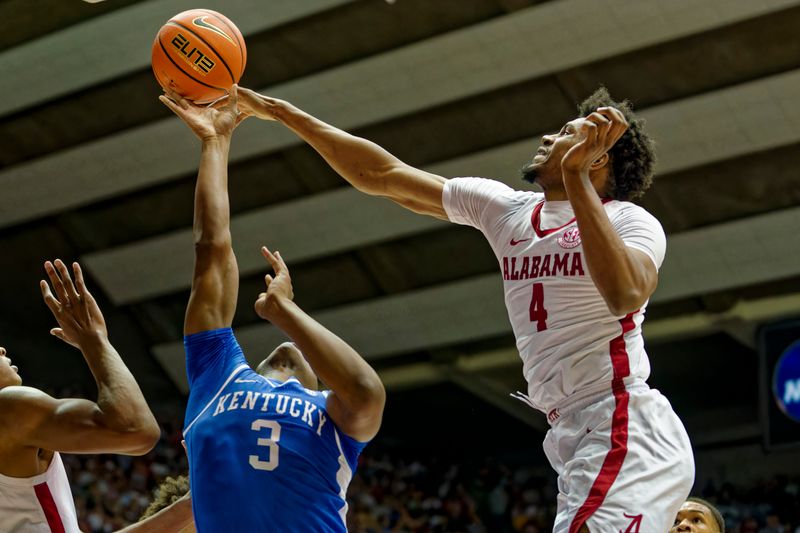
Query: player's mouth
x,y
541,154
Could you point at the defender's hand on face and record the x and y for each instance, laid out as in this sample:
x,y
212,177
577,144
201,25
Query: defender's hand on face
x,y
213,121
279,287
598,133
73,306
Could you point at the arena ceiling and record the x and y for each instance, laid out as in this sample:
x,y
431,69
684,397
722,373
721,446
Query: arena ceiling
x,y
94,168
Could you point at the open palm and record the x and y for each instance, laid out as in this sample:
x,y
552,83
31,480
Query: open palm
x,y
207,122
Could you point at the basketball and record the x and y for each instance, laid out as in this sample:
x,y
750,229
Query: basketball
x,y
199,54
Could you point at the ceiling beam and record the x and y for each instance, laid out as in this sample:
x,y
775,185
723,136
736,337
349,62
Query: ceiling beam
x,y
481,58
118,43
695,131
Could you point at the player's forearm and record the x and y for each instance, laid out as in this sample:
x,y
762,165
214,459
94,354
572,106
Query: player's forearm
x,y
335,362
172,518
211,204
123,408
615,271
364,164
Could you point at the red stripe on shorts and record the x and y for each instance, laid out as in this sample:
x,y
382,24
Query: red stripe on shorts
x,y
612,463
49,507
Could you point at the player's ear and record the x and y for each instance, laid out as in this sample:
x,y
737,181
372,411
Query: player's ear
x,y
600,162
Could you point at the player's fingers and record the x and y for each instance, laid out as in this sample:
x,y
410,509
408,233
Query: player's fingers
x,y
613,114
58,332
222,101
63,273
598,118
233,97
80,284
276,265
281,262
56,283
49,300
175,108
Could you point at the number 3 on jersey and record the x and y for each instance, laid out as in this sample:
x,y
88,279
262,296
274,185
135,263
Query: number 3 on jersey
x,y
271,442
538,313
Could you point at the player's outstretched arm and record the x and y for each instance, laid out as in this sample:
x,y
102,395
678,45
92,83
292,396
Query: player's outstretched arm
x,y
357,398
120,421
215,281
367,166
171,519
625,277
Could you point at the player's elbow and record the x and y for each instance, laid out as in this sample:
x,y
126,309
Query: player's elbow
x,y
368,391
213,243
142,434
625,301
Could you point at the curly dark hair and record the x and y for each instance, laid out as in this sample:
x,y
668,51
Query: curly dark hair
x,y
171,490
714,511
633,157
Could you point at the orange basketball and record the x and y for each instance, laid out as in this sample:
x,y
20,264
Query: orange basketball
x,y
199,54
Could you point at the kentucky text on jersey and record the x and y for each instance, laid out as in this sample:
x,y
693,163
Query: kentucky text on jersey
x,y
275,403
538,266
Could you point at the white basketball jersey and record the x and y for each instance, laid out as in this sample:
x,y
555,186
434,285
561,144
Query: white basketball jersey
x,y
38,504
571,346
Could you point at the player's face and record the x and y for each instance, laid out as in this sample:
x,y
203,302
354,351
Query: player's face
x,y
545,167
8,373
694,517
289,359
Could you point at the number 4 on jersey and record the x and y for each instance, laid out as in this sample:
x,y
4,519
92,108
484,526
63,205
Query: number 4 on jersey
x,y
538,313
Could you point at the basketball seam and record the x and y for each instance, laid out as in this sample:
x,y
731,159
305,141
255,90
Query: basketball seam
x,y
183,71
236,36
219,56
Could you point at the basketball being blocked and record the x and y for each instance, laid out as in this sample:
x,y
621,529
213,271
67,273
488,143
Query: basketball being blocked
x,y
199,54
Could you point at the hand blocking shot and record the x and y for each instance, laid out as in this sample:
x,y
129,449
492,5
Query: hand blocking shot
x,y
267,450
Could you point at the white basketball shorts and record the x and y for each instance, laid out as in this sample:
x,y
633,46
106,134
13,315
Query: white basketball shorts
x,y
624,463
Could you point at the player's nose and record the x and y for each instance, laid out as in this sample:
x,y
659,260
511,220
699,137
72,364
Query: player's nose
x,y
684,526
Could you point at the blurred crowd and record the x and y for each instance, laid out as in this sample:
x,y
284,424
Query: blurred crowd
x,y
397,492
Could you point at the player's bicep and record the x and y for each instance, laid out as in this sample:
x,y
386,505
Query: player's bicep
x,y
415,189
215,287
361,424
68,425
648,274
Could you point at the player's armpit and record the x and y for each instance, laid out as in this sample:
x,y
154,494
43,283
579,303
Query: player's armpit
x,y
361,423
70,425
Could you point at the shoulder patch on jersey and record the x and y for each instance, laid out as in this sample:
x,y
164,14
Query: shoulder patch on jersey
x,y
570,238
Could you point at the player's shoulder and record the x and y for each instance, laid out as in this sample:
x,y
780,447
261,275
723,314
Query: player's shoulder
x,y
621,209
489,186
20,395
20,405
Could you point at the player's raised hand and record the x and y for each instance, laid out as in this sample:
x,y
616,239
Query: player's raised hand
x,y
75,309
257,105
215,120
597,134
278,287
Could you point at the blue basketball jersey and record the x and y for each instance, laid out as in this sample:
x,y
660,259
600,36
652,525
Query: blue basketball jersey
x,y
263,455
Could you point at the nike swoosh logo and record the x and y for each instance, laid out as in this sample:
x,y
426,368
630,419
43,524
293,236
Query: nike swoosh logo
x,y
240,380
201,22
516,242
